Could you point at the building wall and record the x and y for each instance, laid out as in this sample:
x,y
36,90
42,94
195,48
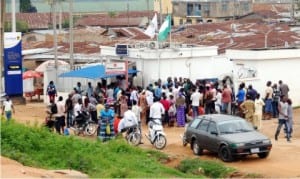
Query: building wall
x,y
270,65
209,11
166,6
191,62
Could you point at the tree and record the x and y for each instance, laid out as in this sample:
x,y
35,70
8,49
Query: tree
x,y
25,6
21,26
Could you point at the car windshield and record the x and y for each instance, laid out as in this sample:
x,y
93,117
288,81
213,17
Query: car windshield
x,y
234,126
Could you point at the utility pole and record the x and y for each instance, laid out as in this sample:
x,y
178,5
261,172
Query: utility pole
x,y
71,38
148,11
293,10
54,36
127,13
160,12
2,20
13,15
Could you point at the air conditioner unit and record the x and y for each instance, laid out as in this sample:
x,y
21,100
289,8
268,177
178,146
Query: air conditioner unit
x,y
152,45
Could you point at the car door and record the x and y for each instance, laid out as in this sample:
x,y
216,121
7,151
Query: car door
x,y
202,133
212,137
192,129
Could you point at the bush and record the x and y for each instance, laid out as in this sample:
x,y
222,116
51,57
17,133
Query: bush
x,y
207,168
21,26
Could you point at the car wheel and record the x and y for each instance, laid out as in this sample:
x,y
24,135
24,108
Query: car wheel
x,y
184,142
225,154
196,149
263,155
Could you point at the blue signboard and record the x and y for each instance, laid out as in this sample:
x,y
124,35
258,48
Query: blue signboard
x,y
122,50
13,64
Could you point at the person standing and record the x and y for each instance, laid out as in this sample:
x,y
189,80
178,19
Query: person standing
x,y
172,111
69,110
226,100
166,105
123,103
259,103
195,98
89,90
290,116
143,105
51,91
251,92
156,110
248,108
283,118
137,111
60,116
268,101
8,108
276,99
180,110
284,89
106,124
79,88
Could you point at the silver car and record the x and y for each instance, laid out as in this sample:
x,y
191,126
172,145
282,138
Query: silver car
x,y
227,135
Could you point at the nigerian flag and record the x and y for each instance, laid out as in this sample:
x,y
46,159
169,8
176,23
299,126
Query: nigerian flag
x,y
165,29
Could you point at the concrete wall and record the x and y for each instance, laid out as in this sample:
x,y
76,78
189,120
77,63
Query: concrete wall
x,y
270,65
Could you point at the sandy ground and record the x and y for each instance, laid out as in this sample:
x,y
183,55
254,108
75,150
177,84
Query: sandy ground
x,y
283,161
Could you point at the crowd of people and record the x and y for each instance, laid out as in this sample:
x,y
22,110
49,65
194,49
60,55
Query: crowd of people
x,y
175,101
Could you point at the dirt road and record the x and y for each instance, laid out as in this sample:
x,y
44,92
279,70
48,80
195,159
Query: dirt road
x,y
283,161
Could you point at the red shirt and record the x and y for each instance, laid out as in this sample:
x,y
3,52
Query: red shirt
x,y
116,124
166,104
226,95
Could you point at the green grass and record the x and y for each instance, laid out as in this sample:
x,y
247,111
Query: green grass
x,y
208,168
37,147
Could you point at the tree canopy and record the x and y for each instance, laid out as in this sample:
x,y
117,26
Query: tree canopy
x,y
25,6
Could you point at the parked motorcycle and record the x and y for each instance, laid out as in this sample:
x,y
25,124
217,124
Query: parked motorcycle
x,y
84,124
156,134
133,135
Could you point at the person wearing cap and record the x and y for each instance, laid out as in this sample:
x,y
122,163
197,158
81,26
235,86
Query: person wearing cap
x,y
8,108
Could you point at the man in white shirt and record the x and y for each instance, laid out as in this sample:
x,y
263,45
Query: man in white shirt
x,y
77,108
134,96
156,110
60,116
129,120
195,98
8,108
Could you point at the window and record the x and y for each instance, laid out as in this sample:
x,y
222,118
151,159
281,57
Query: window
x,y
180,21
203,125
212,127
195,123
190,9
224,6
205,7
189,21
198,10
246,7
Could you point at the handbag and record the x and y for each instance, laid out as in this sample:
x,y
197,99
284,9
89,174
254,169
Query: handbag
x,y
107,129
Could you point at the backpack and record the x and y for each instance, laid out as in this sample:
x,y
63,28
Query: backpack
x,y
53,108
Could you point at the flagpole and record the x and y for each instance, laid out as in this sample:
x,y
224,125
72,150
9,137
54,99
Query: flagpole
x,y
158,57
170,31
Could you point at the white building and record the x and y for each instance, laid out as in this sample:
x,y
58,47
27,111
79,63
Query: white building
x,y
193,62
256,67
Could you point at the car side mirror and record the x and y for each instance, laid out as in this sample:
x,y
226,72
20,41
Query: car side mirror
x,y
214,133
